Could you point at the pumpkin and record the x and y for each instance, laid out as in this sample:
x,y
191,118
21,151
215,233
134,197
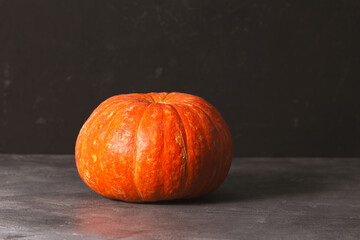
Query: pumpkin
x,y
152,147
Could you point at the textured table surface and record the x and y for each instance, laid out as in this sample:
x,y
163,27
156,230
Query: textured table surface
x,y
42,197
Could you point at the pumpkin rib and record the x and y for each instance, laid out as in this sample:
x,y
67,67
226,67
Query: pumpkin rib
x,y
99,118
85,131
198,160
163,97
163,100
152,99
136,152
225,138
157,97
144,96
192,107
174,159
175,97
220,164
96,117
117,153
185,147
150,151
114,117
167,96
163,147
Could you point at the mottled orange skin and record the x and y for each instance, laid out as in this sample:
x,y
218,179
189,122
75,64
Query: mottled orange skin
x,y
153,147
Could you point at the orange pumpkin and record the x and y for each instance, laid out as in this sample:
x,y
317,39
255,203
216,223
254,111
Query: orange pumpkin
x,y
152,147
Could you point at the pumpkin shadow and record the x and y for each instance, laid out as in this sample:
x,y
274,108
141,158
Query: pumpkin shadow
x,y
262,180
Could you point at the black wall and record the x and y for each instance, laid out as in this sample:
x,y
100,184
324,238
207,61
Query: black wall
x,y
284,74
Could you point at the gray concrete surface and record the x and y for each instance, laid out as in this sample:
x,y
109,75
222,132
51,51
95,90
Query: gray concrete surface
x,y
42,197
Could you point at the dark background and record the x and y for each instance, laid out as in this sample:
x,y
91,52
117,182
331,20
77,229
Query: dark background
x,y
284,74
